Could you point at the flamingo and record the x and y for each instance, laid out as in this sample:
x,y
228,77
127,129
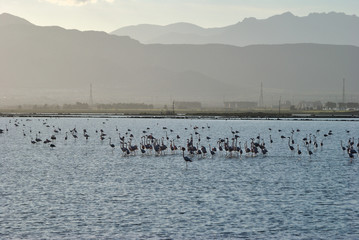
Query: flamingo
x,y
124,149
298,150
211,150
290,146
341,144
111,144
204,151
309,151
37,139
187,159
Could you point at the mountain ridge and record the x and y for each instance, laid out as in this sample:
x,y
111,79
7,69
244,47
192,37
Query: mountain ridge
x,y
8,19
56,65
323,28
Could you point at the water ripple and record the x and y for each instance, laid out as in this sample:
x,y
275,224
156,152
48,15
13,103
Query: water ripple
x,y
85,190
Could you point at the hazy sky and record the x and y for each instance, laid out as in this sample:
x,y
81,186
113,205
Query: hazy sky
x,y
108,15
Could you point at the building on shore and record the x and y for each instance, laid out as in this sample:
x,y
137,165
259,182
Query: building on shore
x,y
287,105
310,105
241,105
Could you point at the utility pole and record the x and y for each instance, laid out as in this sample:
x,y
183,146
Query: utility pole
x,y
173,107
343,90
279,105
91,98
261,102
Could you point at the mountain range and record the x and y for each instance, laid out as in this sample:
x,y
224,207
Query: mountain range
x,y
322,28
54,65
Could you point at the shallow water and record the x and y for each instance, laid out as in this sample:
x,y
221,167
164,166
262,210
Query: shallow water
x,y
85,189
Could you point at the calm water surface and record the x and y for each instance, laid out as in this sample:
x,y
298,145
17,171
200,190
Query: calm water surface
x,y
85,189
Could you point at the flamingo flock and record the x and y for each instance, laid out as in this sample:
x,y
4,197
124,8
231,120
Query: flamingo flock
x,y
189,142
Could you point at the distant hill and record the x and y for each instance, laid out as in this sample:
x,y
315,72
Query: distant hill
x,y
322,28
8,19
55,65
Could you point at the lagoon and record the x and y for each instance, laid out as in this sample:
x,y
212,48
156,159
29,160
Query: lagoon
x,y
86,189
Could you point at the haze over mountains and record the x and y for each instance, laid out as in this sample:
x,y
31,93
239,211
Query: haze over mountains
x,y
54,65
322,28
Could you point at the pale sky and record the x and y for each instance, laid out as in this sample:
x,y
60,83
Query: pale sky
x,y
109,15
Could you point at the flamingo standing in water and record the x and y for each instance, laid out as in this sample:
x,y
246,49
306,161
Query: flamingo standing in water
x,y
299,151
341,144
309,151
290,146
187,159
111,144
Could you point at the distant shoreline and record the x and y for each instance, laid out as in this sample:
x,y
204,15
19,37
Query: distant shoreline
x,y
255,115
